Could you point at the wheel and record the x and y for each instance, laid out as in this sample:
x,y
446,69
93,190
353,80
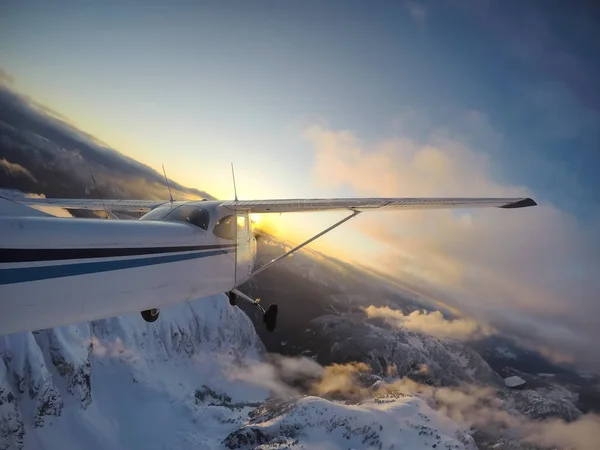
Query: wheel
x,y
270,317
150,315
232,298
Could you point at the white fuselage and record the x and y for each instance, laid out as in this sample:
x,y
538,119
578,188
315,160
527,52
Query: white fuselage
x,y
58,271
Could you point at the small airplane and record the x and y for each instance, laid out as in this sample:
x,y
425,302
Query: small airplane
x,y
58,271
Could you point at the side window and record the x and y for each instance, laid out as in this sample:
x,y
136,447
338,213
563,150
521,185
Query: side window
x,y
199,217
241,226
192,214
225,228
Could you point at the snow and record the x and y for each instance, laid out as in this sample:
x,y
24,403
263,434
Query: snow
x,y
312,422
141,381
547,401
11,429
514,381
122,383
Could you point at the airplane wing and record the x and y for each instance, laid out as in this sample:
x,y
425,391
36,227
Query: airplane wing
x,y
366,204
92,204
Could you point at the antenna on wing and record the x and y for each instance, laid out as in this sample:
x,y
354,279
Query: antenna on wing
x,y
168,187
234,188
99,193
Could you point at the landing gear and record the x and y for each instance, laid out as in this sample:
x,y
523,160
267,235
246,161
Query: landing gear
x,y
150,315
232,298
269,315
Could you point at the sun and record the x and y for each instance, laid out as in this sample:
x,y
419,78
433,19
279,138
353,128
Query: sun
x,y
255,218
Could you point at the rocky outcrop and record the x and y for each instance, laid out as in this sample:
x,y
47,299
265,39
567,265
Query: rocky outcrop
x,y
31,381
11,424
545,402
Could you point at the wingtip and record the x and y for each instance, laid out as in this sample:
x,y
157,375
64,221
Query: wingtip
x,y
524,203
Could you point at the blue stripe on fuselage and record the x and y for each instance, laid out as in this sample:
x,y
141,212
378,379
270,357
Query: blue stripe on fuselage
x,y
26,274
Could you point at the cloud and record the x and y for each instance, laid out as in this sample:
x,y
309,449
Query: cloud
x,y
5,77
340,380
287,376
471,406
529,273
111,349
282,376
432,323
582,434
480,407
16,170
37,136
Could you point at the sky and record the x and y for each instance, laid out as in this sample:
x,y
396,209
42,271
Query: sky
x,y
328,99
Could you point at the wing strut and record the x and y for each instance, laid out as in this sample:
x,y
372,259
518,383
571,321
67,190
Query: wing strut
x,y
355,213
270,314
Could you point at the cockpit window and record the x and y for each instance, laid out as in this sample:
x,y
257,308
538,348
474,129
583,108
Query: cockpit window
x,y
225,228
199,217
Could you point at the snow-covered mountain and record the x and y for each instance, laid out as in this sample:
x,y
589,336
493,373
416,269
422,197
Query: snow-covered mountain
x,y
381,423
441,362
121,383
544,402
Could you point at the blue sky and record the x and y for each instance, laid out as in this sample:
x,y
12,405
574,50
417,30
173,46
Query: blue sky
x,y
325,99
199,84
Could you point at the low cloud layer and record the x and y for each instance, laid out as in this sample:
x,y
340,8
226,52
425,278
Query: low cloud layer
x,y
340,380
431,323
529,273
472,407
480,408
283,376
583,434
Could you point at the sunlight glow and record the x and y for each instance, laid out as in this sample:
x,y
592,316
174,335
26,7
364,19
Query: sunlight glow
x,y
255,219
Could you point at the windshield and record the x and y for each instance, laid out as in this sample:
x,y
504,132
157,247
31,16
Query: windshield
x,y
156,214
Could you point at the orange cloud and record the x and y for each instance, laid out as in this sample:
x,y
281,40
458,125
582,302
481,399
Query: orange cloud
x,y
432,323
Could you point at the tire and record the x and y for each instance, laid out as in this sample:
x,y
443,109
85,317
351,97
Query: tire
x,y
232,298
270,318
150,315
